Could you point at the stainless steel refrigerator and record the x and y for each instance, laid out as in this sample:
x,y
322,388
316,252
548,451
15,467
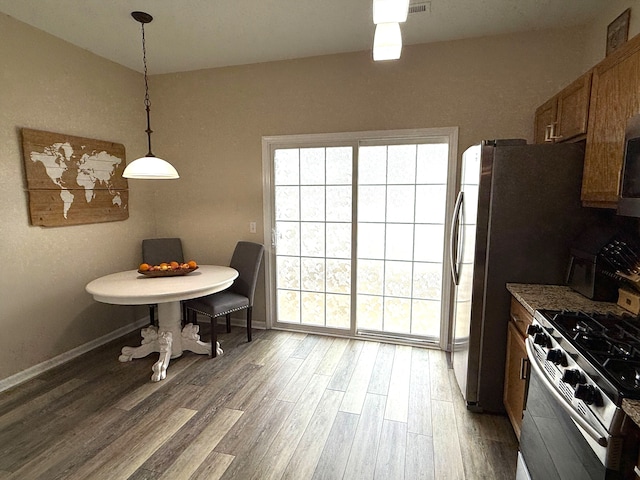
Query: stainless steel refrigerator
x,y
517,212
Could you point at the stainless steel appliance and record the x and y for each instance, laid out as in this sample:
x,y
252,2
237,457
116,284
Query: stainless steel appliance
x,y
581,367
517,212
629,201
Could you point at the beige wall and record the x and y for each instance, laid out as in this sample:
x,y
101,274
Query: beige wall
x,y
50,85
209,124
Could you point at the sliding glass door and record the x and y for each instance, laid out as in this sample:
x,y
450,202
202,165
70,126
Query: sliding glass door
x,y
357,227
402,194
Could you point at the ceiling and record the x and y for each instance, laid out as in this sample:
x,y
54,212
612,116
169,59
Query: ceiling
x,y
196,34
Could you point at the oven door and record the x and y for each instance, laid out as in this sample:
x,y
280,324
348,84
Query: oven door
x,y
551,443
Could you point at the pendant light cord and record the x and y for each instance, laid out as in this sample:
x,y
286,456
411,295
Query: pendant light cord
x,y
147,101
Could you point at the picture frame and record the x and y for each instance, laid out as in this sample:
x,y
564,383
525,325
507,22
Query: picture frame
x,y
618,31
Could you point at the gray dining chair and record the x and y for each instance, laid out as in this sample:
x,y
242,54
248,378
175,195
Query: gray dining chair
x,y
246,259
158,250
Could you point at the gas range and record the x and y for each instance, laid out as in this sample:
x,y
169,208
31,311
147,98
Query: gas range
x,y
591,362
605,347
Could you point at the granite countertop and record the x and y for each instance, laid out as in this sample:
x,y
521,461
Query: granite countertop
x,y
559,297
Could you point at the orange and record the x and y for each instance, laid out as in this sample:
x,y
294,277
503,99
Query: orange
x,y
192,264
144,267
174,265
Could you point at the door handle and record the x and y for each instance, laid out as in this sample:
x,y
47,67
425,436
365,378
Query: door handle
x,y
453,238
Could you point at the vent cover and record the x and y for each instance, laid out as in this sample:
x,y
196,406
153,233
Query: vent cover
x,y
422,7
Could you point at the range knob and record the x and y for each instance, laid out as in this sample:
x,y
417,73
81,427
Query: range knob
x,y
573,377
557,357
542,339
533,329
589,395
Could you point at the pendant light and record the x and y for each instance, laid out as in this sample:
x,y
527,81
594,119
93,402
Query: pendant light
x,y
387,42
148,167
387,16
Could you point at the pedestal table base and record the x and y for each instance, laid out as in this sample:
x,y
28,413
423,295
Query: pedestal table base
x,y
169,340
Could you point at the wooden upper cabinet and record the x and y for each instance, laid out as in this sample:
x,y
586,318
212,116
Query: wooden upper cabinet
x,y
615,97
573,109
564,117
545,117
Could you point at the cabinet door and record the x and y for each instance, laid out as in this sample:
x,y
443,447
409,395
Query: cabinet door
x,y
544,119
615,98
573,109
520,317
514,384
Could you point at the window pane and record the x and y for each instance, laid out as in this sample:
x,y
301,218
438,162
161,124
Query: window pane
x,y
400,203
397,315
371,276
312,239
339,240
427,280
372,165
397,279
429,243
338,276
338,311
288,203
286,165
312,308
369,312
288,306
431,203
312,166
371,240
339,165
371,203
339,204
401,167
312,273
399,242
288,272
288,235
426,318
312,204
433,163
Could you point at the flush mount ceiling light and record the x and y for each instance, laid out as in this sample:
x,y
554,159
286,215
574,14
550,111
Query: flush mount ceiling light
x,y
387,42
387,16
390,11
148,167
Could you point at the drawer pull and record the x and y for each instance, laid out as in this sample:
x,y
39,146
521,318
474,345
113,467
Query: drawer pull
x,y
524,368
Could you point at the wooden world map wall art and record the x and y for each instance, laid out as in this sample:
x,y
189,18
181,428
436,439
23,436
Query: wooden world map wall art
x,y
74,180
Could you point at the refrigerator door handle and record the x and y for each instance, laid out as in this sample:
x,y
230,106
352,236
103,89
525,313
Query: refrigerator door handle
x,y
453,238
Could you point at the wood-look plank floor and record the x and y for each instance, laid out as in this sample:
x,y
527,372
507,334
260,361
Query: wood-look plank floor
x,y
285,406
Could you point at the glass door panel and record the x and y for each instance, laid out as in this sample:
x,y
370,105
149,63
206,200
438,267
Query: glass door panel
x,y
402,197
313,210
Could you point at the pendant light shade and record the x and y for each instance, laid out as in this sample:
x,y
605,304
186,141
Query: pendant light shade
x,y
387,42
148,167
390,11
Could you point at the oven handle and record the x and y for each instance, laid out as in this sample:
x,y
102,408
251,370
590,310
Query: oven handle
x,y
576,417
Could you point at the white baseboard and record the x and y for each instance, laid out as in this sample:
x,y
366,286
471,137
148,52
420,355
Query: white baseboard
x,y
36,370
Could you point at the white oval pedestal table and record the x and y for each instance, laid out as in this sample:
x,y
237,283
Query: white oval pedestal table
x,y
168,339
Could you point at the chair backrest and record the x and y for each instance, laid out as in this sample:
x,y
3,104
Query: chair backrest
x,y
246,259
158,250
